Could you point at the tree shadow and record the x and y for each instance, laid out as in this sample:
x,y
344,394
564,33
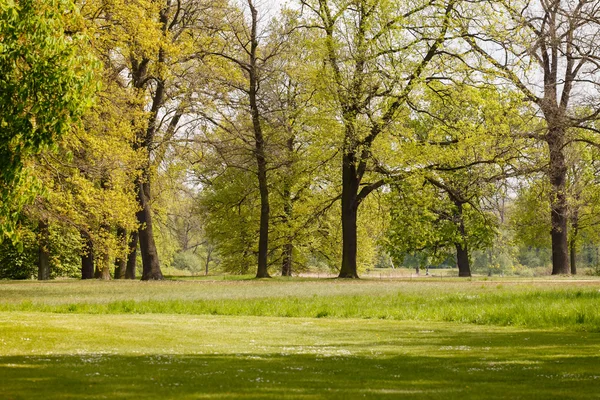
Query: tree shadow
x,y
324,373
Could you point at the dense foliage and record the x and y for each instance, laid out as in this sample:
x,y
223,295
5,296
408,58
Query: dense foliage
x,y
217,136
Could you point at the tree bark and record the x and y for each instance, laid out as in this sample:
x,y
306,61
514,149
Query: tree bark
x,y
288,251
288,247
462,260
150,263
573,251
87,258
208,255
462,252
263,240
105,269
43,252
349,217
121,262
558,201
259,150
132,256
573,241
120,267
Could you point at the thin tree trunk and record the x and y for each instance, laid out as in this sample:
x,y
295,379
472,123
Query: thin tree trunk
x,y
132,256
43,253
121,262
558,204
288,248
263,240
573,241
259,150
573,251
288,251
150,263
87,257
208,253
349,217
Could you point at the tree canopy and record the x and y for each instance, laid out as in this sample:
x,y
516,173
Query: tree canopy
x,y
238,137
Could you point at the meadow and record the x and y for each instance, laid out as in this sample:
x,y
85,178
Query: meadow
x,y
301,338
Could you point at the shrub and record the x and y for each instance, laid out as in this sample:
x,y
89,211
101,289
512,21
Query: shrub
x,y
188,261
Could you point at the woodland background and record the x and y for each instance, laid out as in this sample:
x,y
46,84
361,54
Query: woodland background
x,y
215,136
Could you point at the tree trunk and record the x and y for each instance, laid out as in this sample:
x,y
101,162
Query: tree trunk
x,y
145,140
573,241
121,261
558,202
349,217
120,267
105,269
462,260
208,252
87,258
150,263
132,256
288,247
43,252
288,251
462,252
105,274
263,240
574,234
573,250
259,149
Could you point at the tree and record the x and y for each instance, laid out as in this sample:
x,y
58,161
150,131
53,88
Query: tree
x,y
533,203
467,146
46,84
249,52
376,53
548,50
154,58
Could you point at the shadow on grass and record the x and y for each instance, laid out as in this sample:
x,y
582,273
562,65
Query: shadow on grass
x,y
276,376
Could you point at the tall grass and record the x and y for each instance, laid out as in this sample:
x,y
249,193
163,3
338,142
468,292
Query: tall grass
x,y
532,306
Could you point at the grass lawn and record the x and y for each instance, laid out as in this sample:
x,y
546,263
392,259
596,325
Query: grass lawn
x,y
300,339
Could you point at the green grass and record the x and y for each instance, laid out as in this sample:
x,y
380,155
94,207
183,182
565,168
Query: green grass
x,y
306,339
53,356
543,304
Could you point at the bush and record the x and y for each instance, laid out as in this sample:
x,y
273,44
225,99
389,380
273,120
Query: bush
x,y
21,261
188,261
18,262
